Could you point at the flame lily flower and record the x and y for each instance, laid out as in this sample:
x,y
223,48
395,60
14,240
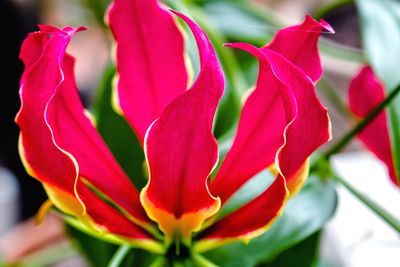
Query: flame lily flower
x,y
281,124
365,92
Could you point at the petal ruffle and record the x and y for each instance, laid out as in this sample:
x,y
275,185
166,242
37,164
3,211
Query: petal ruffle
x,y
282,110
258,138
365,92
299,45
182,152
59,145
150,60
264,115
306,127
309,126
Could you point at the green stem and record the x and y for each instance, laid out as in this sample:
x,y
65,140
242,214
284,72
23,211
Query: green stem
x,y
345,140
158,262
119,256
330,91
200,261
377,209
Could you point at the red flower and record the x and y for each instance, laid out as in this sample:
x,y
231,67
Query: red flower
x,y
281,124
365,93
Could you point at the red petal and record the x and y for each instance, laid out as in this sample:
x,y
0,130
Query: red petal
x,y
258,138
104,216
299,44
58,143
282,115
150,60
247,222
309,126
181,150
365,92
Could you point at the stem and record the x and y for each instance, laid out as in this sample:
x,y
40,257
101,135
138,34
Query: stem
x,y
119,256
377,209
159,262
200,261
345,140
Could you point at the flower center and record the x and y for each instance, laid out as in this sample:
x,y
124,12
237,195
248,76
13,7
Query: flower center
x,y
178,252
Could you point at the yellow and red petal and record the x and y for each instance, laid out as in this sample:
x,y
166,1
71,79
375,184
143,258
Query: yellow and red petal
x,y
265,114
365,93
309,125
299,45
182,152
247,222
58,142
300,125
100,218
258,138
150,60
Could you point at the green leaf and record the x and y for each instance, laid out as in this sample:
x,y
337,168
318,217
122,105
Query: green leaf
x,y
380,25
117,133
304,215
303,254
98,253
238,24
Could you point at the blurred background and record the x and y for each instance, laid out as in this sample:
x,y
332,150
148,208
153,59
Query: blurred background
x,y
351,239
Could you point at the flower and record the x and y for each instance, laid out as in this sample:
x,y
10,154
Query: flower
x,y
364,94
281,124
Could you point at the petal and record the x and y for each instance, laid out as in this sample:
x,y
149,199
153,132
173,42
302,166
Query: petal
x,y
182,152
58,143
150,60
365,92
281,116
249,221
309,127
258,138
299,45
103,219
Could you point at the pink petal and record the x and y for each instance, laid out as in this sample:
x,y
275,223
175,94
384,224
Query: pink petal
x,y
181,150
365,92
58,142
281,116
150,60
299,44
249,221
258,138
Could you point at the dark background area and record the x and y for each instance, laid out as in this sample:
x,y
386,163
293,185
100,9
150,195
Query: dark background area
x,y
16,23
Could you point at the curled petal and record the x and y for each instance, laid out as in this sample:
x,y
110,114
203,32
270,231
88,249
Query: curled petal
x,y
182,152
282,121
150,60
309,126
365,92
258,138
299,45
58,143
